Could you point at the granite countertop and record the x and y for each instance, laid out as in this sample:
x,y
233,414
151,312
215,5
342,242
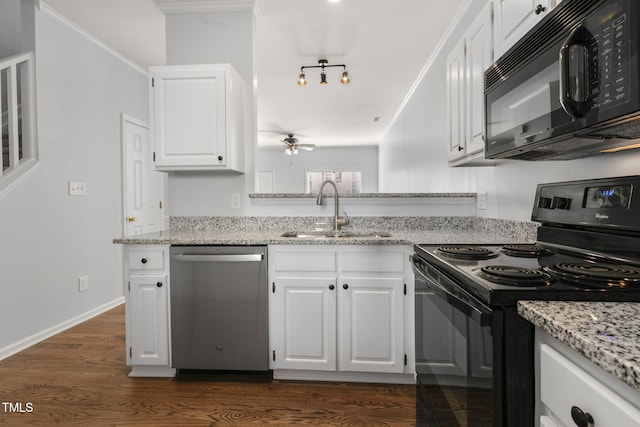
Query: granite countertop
x,y
403,231
607,333
358,196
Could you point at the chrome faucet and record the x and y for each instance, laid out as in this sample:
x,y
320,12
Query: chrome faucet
x,y
337,221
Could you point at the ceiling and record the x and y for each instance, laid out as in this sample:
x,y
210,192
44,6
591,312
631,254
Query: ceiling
x,y
384,43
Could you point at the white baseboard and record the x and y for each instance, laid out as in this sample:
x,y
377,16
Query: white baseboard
x,y
27,342
352,377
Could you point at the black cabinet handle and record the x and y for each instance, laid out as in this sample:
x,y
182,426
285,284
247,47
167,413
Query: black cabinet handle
x,y
345,286
159,284
582,419
331,287
539,9
143,260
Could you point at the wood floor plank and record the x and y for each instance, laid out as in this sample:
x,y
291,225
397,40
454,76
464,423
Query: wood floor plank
x,y
79,378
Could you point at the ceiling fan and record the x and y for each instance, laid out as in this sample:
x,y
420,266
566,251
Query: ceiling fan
x,y
292,145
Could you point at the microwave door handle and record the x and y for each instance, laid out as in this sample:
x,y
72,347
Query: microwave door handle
x,y
481,316
581,37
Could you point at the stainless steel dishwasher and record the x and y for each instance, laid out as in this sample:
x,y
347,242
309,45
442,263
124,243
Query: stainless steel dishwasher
x,y
219,317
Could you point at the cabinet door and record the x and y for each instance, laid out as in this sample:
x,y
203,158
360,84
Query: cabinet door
x,y
148,320
514,18
442,348
456,101
189,116
304,331
479,56
370,314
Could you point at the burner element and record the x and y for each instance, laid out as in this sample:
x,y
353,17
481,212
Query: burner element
x,y
467,252
599,275
513,276
524,251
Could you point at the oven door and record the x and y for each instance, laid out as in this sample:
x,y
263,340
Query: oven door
x,y
454,354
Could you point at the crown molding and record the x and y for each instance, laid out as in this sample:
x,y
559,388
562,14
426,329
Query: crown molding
x,y
194,6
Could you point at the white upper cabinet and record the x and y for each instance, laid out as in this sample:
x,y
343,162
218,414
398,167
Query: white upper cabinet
x,y
197,117
456,101
513,18
479,57
466,65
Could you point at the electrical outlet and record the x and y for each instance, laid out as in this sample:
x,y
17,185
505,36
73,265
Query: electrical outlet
x,y
77,188
83,283
482,201
235,200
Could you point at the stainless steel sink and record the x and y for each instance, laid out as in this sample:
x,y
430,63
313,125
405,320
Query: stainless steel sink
x,y
335,234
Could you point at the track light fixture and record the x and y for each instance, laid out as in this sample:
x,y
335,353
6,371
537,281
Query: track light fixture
x,y
322,64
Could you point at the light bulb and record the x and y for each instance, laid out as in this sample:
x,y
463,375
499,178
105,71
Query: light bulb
x,y
323,78
288,151
295,150
345,77
302,81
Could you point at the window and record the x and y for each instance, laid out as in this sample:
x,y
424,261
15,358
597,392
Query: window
x,y
17,108
347,181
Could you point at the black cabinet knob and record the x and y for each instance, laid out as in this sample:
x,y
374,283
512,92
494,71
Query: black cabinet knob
x,y
143,260
581,418
332,287
220,158
159,284
539,9
345,286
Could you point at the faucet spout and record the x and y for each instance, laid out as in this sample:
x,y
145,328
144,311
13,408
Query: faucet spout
x,y
337,221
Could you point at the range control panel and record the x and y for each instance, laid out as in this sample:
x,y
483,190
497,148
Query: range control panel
x,y
599,203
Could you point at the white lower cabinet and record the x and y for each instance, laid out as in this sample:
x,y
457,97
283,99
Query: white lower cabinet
x,y
147,310
304,317
341,309
568,382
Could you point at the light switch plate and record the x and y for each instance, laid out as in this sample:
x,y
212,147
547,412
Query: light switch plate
x,y
77,188
482,201
235,200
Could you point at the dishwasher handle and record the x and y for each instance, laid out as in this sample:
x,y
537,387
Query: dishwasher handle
x,y
217,257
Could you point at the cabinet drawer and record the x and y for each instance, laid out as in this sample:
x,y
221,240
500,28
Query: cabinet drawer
x,y
147,259
563,385
285,260
373,261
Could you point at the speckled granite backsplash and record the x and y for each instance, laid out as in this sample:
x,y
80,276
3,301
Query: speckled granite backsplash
x,y
523,231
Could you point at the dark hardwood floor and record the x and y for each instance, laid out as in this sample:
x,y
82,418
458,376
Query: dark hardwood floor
x,y
79,377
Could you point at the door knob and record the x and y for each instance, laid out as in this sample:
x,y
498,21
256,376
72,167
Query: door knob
x,y
132,219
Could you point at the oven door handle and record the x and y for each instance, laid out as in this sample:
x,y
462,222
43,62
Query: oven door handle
x,y
481,315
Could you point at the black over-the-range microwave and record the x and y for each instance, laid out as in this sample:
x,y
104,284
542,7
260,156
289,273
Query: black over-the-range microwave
x,y
570,88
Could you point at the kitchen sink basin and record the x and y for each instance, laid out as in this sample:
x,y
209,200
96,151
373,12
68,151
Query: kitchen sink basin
x,y
335,234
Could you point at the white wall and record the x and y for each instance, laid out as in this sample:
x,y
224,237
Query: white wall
x,y
413,155
206,38
10,40
290,171
47,238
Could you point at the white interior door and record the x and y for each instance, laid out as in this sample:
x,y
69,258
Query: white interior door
x,y
143,186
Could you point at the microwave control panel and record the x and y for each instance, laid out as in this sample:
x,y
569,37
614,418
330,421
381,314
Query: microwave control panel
x,y
609,53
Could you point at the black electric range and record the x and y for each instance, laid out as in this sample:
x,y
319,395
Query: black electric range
x,y
587,249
